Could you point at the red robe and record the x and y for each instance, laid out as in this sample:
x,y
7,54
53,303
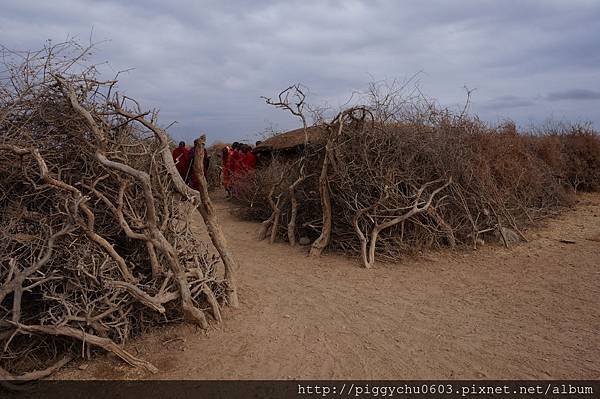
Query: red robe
x,y
182,160
249,162
234,162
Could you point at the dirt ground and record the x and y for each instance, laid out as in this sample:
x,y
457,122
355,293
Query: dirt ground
x,y
531,311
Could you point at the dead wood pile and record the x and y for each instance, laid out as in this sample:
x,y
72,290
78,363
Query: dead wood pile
x,y
389,180
214,175
95,238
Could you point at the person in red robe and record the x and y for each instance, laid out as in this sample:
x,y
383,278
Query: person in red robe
x,y
249,159
226,171
234,166
181,159
246,163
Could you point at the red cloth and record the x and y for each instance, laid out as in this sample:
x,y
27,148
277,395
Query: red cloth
x,y
234,163
182,160
249,162
236,168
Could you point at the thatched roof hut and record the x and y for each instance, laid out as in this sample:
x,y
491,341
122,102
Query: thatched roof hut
x,y
292,141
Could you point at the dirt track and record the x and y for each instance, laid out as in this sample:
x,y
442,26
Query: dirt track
x,y
532,311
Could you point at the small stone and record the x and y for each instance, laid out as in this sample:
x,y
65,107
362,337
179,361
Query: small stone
x,y
83,366
304,241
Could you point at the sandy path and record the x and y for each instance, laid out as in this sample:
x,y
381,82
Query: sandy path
x,y
532,311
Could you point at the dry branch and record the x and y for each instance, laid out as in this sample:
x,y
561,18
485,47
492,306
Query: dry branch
x,y
104,343
382,167
95,238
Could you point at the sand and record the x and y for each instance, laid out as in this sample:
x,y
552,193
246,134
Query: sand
x,y
530,311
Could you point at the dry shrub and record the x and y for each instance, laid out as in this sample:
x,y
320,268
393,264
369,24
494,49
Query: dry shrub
x,y
496,182
573,154
414,177
95,240
581,148
251,191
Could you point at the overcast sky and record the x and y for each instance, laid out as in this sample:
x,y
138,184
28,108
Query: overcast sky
x,y
205,64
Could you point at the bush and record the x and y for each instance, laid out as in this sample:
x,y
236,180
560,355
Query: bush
x,y
421,179
95,241
572,153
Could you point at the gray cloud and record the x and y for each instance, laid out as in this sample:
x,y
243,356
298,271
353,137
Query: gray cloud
x,y
506,102
206,64
574,94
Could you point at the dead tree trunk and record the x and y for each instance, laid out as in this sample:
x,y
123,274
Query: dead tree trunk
x,y
291,227
323,240
320,243
209,216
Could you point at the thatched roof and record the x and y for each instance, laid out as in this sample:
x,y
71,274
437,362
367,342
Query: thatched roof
x,y
292,139
217,147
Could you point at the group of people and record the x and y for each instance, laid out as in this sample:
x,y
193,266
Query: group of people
x,y
239,161
184,162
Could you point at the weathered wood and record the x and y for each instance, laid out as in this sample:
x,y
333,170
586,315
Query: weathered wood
x,y
207,210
